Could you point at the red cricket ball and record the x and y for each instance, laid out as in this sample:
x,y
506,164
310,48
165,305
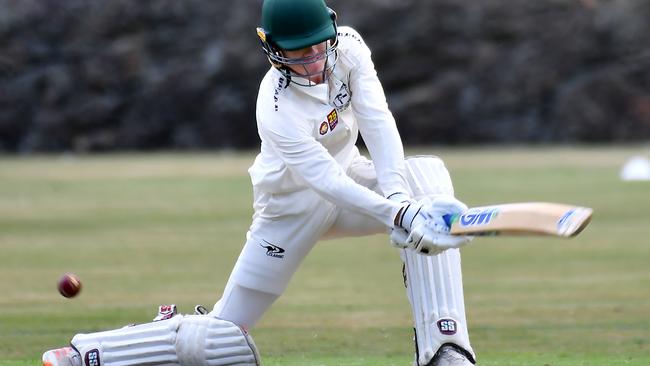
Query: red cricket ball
x,y
69,285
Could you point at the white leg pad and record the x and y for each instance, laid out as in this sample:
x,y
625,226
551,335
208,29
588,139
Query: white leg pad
x,y
435,291
186,340
434,283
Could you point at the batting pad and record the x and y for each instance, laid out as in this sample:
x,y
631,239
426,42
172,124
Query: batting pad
x,y
434,287
434,284
187,340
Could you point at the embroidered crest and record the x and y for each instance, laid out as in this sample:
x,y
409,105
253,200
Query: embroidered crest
x,y
323,128
333,119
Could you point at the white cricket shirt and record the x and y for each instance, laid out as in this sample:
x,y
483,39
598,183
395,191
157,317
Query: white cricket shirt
x,y
308,135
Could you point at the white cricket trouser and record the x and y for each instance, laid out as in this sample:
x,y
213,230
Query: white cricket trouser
x,y
275,248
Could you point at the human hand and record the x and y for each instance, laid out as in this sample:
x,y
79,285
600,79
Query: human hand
x,y
398,234
420,225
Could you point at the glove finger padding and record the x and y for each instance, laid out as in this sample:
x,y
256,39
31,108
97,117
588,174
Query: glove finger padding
x,y
421,225
398,238
440,205
413,214
432,237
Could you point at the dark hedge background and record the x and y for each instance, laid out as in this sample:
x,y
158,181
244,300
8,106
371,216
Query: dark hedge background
x,y
183,74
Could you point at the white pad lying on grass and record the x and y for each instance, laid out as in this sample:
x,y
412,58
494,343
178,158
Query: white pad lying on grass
x,y
187,340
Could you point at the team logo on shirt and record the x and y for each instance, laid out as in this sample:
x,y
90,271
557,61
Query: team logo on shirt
x,y
333,119
342,99
323,128
330,123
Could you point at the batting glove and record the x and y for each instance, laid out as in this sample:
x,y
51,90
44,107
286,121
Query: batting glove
x,y
421,227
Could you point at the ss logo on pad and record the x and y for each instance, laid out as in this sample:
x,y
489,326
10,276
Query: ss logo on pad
x,y
447,326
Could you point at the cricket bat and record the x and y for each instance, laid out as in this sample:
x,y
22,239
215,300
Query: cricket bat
x,y
524,218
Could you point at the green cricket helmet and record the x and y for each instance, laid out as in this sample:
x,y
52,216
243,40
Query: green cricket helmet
x,y
296,24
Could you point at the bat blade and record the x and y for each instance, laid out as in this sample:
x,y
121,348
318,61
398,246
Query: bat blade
x,y
524,218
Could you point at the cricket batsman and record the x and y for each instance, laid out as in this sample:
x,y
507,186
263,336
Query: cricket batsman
x,y
310,183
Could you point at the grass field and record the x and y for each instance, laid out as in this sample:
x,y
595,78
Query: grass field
x,y
142,230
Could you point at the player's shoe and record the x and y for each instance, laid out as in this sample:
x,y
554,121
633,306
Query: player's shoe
x,y
450,355
65,356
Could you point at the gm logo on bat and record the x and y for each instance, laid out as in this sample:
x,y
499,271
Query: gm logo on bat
x,y
482,217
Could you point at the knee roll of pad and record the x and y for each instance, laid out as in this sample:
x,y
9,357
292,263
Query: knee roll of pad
x,y
427,175
206,340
